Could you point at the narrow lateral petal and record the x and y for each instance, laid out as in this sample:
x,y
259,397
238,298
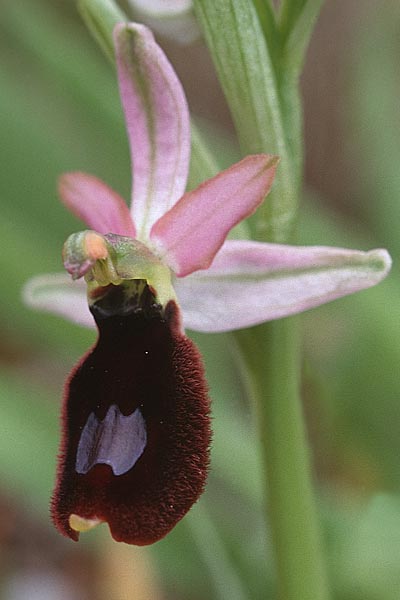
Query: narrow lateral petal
x,y
157,121
188,236
136,426
250,282
91,200
58,294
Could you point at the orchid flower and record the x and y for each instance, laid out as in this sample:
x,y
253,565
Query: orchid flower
x,y
136,428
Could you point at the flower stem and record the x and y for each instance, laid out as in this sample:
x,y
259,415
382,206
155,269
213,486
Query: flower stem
x,y
291,512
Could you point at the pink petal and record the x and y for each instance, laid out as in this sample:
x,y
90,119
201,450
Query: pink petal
x,y
191,233
96,204
58,294
251,282
157,120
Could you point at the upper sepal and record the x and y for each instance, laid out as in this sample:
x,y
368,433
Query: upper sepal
x,y
157,121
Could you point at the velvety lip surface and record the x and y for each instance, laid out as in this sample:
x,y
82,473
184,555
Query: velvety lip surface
x,y
141,360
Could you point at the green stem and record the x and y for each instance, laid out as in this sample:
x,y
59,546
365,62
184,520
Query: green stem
x,y
274,381
266,109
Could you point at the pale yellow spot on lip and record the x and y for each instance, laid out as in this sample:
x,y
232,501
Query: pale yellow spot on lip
x,y
95,246
78,523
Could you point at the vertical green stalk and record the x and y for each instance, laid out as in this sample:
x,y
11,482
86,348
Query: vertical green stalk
x,y
261,88
271,355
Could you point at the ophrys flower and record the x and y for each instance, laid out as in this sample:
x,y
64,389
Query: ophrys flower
x,y
136,415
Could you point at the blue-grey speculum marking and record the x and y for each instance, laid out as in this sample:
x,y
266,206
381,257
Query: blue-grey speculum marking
x,y
117,440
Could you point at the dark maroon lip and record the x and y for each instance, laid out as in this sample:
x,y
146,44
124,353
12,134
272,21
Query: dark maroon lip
x,y
141,365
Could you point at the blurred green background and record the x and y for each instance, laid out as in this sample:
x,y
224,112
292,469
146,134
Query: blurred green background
x,y
60,111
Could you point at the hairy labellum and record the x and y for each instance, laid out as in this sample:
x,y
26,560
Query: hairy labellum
x,y
136,428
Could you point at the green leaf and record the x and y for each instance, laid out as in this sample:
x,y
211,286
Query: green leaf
x,y
267,17
287,40
236,42
296,32
290,11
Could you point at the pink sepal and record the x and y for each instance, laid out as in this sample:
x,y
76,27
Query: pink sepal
x,y
250,282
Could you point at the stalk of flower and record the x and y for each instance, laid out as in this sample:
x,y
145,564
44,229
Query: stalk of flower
x,y
136,430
